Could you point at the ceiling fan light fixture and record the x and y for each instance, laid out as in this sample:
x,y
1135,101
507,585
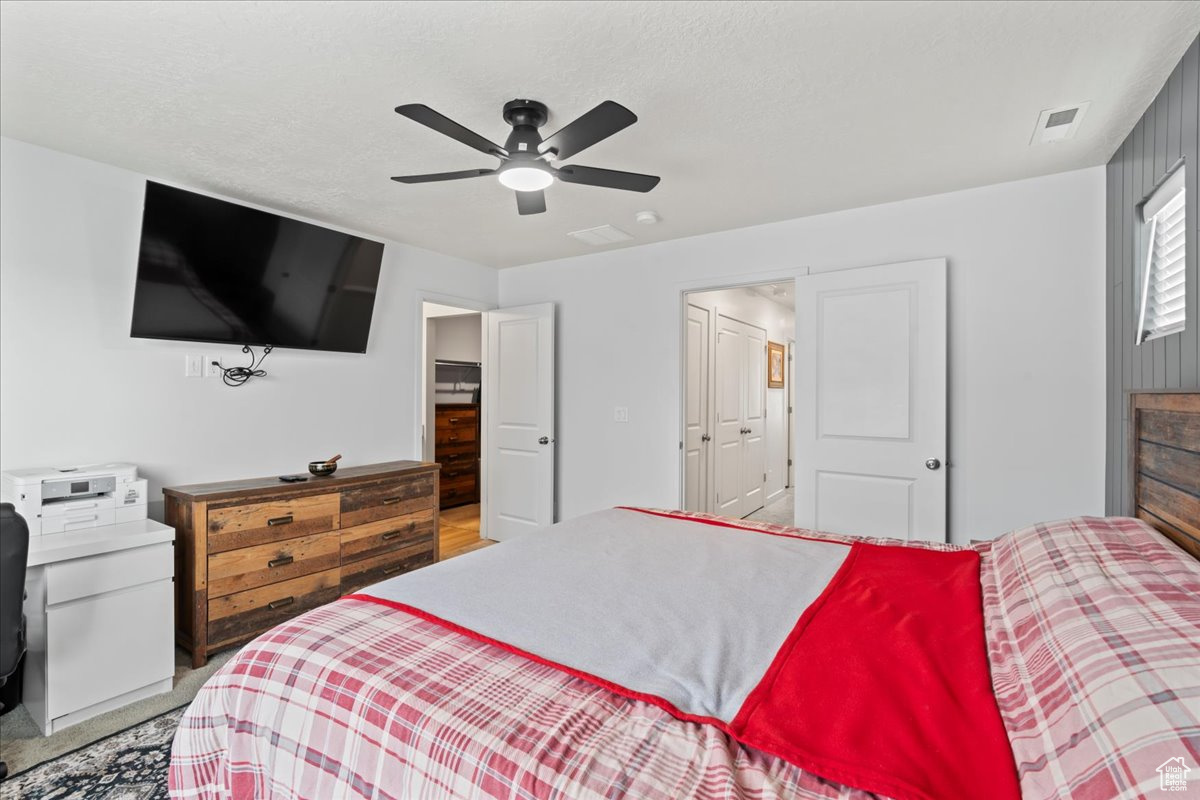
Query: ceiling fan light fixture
x,y
525,158
525,179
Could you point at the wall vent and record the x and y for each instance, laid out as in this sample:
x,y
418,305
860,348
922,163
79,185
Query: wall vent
x,y
1058,124
601,235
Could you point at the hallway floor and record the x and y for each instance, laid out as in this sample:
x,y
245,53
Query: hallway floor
x,y
780,511
458,531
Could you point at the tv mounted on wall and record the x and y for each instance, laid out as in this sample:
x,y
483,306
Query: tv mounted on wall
x,y
214,271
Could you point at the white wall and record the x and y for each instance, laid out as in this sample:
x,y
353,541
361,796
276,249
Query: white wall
x,y
779,322
459,338
76,388
1026,371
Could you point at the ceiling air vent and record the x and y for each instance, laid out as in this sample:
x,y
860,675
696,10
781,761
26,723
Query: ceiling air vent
x,y
1058,124
600,236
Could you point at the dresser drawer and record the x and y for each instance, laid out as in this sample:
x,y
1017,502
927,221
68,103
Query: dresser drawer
x,y
444,452
457,417
233,527
363,573
386,535
390,499
251,567
452,435
464,489
110,572
458,467
243,615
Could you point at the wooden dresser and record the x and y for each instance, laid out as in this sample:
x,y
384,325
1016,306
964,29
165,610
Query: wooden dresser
x,y
456,449
250,554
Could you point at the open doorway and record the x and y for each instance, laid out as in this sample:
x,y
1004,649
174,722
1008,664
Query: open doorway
x,y
738,401
452,411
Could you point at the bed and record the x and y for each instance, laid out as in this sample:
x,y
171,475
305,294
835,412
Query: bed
x,y
1088,642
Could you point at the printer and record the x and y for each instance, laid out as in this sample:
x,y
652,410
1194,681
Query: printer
x,y
64,499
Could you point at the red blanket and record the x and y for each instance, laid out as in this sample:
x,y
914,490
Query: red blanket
x,y
884,683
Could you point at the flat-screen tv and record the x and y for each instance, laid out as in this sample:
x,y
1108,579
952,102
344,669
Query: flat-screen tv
x,y
213,271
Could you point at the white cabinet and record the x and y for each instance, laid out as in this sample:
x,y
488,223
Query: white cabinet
x,y
100,615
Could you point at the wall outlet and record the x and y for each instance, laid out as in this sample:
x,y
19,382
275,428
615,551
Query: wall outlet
x,y
211,370
193,366
621,414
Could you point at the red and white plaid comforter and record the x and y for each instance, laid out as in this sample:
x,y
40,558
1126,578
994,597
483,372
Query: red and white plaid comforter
x,y
1094,640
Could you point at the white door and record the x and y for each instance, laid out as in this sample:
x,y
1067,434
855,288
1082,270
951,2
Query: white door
x,y
871,407
754,440
519,421
740,455
697,440
730,419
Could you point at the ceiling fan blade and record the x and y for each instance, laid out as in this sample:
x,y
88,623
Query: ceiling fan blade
x,y
531,202
425,115
444,176
596,125
609,178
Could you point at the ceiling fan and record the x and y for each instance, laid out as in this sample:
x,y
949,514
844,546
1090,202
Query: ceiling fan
x,y
525,158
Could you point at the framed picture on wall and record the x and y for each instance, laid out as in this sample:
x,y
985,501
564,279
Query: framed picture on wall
x,y
775,365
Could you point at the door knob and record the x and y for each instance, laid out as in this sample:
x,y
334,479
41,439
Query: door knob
x,y
544,440
932,463
706,438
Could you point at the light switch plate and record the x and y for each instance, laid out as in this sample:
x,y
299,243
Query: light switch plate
x,y
193,365
621,414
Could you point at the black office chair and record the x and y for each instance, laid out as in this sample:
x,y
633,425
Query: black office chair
x,y
14,557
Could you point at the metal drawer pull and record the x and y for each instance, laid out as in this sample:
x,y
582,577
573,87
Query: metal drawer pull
x,y
387,501
453,421
287,601
281,561
391,535
392,569
279,520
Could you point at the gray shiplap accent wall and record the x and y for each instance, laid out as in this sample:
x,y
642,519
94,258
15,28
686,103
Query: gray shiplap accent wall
x,y
1169,129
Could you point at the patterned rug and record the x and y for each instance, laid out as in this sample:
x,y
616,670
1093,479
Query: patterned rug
x,y
129,765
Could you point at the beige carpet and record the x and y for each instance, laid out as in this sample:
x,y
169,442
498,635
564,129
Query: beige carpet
x,y
780,511
23,746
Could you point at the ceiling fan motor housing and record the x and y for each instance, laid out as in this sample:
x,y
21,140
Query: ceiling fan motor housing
x,y
525,116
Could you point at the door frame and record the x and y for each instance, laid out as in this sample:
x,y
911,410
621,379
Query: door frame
x,y
789,481
795,274
705,458
683,289
421,374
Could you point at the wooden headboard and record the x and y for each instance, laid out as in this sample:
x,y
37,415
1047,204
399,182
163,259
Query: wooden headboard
x,y
1164,453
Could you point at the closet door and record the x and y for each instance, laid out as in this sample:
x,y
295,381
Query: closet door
x,y
729,371
697,440
871,408
754,419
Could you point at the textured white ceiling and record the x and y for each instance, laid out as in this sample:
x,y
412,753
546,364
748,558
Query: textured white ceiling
x,y
781,293
750,112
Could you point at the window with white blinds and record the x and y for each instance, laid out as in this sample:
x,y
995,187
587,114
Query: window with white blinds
x,y
1163,308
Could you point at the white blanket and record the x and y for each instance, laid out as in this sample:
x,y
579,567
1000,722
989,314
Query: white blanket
x,y
686,611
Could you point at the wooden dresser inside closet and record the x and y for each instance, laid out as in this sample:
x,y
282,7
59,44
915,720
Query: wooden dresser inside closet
x,y
456,449
250,554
